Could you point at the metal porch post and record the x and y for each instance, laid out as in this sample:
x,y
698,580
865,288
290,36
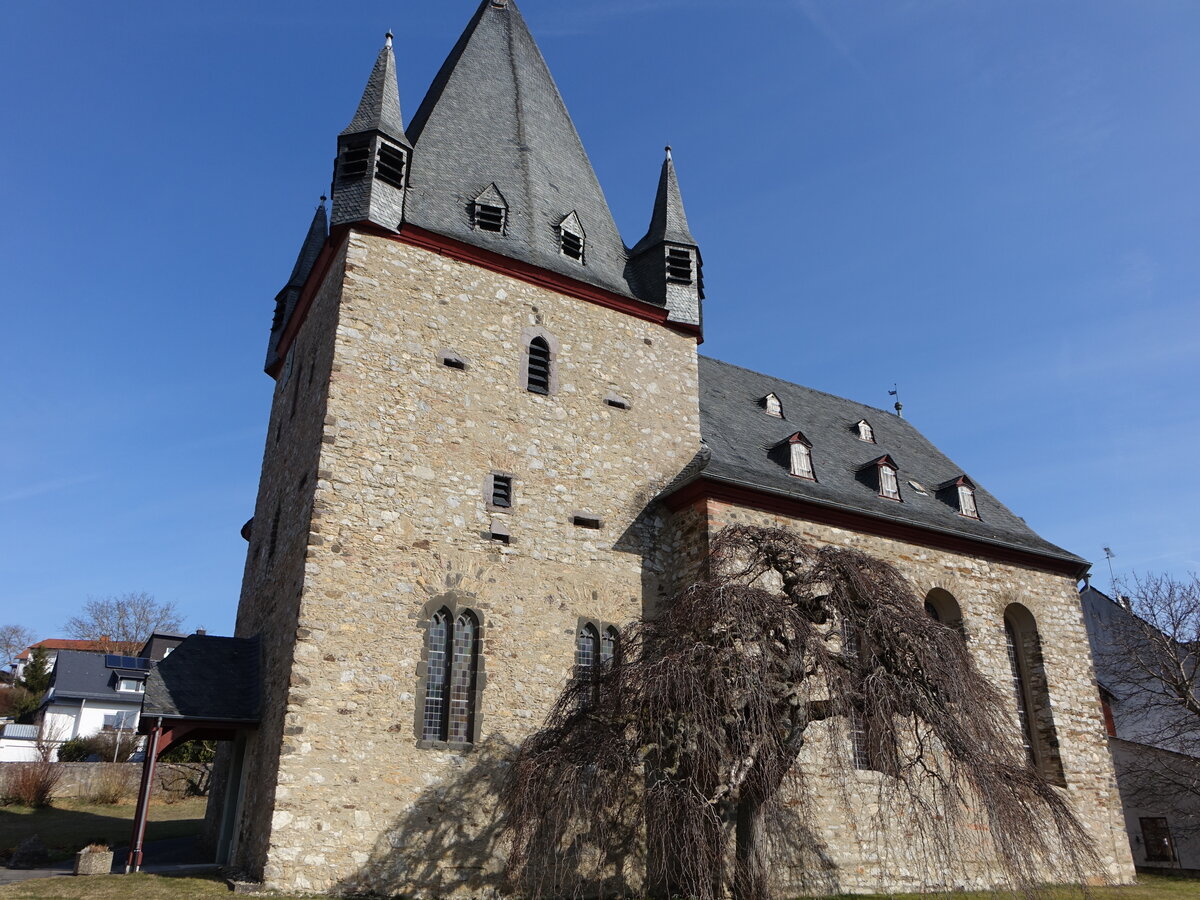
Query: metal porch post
x,y
134,860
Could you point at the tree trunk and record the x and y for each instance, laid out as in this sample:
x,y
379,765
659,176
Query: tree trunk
x,y
750,868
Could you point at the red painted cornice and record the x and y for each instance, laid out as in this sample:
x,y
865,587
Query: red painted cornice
x,y
739,495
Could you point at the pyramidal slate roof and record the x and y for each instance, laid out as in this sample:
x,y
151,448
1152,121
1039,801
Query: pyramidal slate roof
x,y
494,115
743,445
669,221
379,108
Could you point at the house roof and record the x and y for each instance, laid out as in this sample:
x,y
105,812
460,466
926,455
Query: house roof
x,y
739,437
206,678
64,644
87,676
492,115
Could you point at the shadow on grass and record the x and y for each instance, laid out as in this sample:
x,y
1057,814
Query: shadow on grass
x,y
66,829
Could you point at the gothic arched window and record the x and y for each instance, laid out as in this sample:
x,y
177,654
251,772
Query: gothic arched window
x,y
608,645
451,677
587,650
538,379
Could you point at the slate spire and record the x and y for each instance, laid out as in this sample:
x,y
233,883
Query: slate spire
x,y
286,299
494,117
371,172
667,262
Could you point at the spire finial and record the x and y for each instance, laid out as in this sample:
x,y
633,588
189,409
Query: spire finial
x,y
669,156
323,199
387,38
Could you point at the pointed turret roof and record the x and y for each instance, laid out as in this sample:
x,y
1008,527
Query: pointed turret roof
x,y
494,115
314,242
669,222
379,109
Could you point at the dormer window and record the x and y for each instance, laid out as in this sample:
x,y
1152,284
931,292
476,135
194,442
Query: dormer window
x,y
679,266
886,479
489,211
960,493
865,431
801,457
773,406
355,160
571,238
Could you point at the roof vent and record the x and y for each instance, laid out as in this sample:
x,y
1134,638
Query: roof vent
x,y
489,211
390,168
679,265
570,238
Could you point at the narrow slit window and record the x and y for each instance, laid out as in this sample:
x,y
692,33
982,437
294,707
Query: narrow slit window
x,y
390,169
453,362
586,520
679,266
502,491
538,379
436,677
617,402
608,645
462,679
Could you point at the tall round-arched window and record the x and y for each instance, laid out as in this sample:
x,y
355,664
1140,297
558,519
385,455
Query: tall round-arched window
x,y
538,379
451,677
1031,692
587,649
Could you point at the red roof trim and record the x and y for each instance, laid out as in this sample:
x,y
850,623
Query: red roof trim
x,y
440,244
722,492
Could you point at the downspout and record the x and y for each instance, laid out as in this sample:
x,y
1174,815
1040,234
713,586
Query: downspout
x,y
134,861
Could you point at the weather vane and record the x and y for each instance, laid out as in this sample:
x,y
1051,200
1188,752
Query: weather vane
x,y
895,392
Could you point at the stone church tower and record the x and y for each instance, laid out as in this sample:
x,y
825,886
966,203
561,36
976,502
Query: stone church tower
x,y
492,441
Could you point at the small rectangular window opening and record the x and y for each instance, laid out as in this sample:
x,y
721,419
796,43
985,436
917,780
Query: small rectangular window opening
x,y
390,168
453,362
356,159
502,491
617,402
1156,836
679,266
500,536
489,218
585,520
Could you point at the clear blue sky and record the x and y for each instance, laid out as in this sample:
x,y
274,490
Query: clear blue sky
x,y
991,202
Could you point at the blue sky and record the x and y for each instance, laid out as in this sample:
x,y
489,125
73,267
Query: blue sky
x,y
991,203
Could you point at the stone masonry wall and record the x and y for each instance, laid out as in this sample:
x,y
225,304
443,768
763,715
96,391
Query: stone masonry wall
x,y
865,844
400,526
275,559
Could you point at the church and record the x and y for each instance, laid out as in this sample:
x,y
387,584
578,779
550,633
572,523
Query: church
x,y
493,442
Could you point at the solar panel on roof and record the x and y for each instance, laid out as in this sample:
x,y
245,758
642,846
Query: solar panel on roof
x,y
116,661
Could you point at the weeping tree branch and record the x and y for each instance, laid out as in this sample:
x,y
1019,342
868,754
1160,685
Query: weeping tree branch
x,y
690,738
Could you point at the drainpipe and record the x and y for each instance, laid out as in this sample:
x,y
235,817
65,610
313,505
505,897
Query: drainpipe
x,y
134,861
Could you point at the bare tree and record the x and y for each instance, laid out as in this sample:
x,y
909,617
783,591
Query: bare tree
x,y
688,742
13,639
123,623
1148,660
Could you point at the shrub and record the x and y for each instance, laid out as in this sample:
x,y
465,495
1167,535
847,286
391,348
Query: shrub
x,y
110,784
30,784
112,746
77,749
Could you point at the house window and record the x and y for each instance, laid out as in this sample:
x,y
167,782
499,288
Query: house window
x,y
801,460
889,487
538,379
451,675
131,685
865,432
773,406
866,752
679,265
1156,836
966,501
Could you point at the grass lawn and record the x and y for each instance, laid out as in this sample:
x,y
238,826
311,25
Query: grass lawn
x,y
150,887
69,825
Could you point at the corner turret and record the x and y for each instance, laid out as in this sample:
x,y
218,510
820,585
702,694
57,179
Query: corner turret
x,y
286,299
370,176
666,263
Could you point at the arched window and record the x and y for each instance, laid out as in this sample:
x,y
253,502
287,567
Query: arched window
x,y
1031,694
941,606
608,645
587,650
872,747
451,677
538,379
